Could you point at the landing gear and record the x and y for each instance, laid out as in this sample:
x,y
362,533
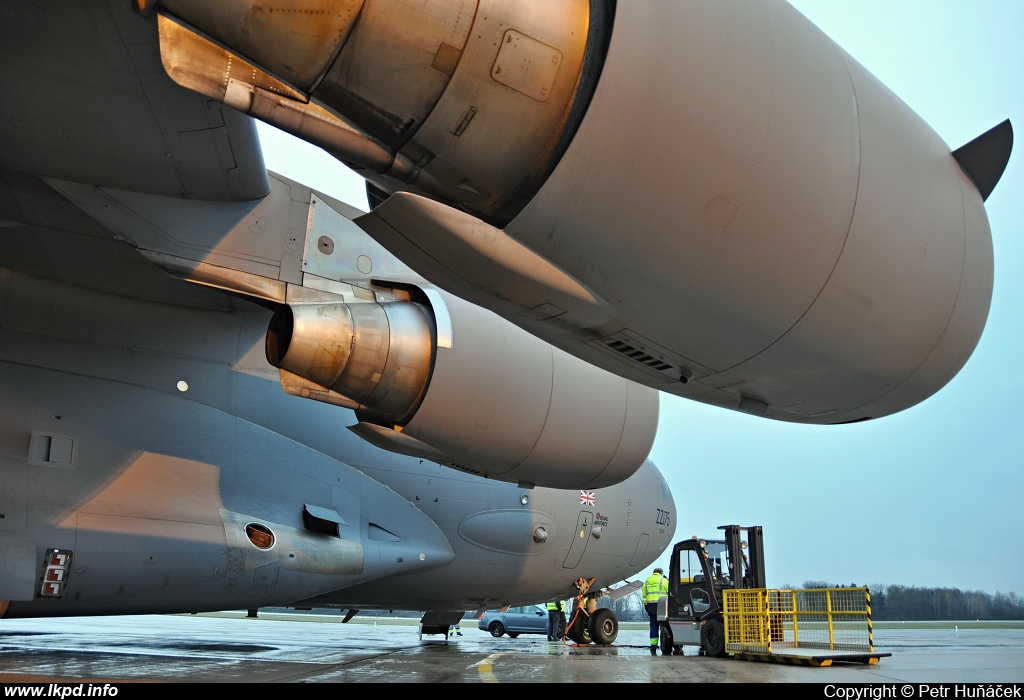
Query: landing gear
x,y
599,627
589,624
577,630
603,626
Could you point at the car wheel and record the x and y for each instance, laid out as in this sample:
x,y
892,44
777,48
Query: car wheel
x,y
496,629
513,635
712,637
603,626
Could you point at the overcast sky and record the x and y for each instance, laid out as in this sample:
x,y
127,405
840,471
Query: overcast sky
x,y
928,497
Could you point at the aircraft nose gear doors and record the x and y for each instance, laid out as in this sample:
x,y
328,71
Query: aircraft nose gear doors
x,y
580,540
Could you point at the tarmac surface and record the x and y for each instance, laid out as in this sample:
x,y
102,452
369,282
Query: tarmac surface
x,y
286,648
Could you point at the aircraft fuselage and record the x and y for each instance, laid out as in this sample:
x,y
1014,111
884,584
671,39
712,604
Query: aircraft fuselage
x,y
141,439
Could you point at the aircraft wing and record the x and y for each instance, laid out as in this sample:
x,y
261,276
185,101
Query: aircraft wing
x,y
89,102
92,103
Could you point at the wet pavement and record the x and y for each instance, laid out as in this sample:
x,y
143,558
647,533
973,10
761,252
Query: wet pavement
x,y
285,648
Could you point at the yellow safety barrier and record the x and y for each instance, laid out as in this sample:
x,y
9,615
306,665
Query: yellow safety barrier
x,y
766,621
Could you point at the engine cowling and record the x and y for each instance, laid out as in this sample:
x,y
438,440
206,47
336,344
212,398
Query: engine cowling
x,y
416,95
444,379
759,223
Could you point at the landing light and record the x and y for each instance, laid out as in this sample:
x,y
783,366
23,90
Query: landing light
x,y
260,535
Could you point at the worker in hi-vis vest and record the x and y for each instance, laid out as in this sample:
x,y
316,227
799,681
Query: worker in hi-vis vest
x,y
554,618
655,586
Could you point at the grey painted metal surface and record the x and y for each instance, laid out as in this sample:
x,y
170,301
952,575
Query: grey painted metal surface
x,y
184,437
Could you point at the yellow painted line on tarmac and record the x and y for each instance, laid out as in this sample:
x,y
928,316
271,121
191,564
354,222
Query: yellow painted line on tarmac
x,y
486,669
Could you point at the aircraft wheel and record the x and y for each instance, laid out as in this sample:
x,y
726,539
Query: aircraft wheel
x,y
513,635
712,637
577,631
496,629
603,626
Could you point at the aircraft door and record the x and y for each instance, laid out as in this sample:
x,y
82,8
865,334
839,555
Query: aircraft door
x,y
641,549
580,539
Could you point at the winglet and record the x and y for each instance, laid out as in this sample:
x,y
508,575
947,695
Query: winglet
x,y
984,159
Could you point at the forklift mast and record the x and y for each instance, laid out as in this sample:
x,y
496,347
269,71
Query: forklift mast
x,y
744,572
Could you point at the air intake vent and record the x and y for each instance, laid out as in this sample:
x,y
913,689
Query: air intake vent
x,y
638,355
650,359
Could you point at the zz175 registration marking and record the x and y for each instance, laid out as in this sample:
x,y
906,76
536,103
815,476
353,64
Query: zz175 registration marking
x,y
664,517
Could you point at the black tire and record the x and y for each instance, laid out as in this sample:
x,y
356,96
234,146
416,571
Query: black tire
x,y
712,637
603,626
577,631
496,629
667,645
513,635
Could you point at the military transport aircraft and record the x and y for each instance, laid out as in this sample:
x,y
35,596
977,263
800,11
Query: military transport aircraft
x,y
405,449
705,198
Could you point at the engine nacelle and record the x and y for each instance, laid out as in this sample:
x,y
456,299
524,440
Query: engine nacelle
x,y
455,383
751,218
418,96
377,356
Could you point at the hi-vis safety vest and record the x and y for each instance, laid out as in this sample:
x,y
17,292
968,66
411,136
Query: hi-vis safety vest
x,y
654,587
557,605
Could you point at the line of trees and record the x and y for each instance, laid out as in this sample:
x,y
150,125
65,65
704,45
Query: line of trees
x,y
912,603
891,602
627,608
896,602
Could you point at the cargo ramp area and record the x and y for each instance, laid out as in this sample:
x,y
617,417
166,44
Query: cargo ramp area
x,y
808,627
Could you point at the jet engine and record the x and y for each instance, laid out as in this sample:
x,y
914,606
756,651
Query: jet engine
x,y
419,95
760,223
436,377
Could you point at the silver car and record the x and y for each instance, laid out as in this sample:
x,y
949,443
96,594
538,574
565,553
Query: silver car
x,y
527,619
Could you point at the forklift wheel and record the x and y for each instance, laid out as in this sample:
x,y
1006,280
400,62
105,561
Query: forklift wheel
x,y
712,637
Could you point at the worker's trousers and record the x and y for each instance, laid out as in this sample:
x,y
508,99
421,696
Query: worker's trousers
x,y
652,613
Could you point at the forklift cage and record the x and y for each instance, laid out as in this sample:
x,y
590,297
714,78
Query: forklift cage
x,y
766,621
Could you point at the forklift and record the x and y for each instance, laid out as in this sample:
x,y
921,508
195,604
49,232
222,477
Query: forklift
x,y
715,581
699,571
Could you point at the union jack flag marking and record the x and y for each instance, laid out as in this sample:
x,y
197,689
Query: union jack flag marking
x,y
586,498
